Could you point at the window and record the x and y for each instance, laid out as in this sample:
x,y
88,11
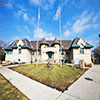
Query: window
x,y
62,53
19,60
19,51
19,45
9,52
82,50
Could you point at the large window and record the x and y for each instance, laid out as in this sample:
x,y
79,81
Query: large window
x,y
81,50
19,51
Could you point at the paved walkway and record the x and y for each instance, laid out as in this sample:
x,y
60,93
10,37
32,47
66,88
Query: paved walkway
x,y
87,87
32,89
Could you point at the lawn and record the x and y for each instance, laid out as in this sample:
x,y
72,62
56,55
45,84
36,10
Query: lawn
x,y
9,92
56,77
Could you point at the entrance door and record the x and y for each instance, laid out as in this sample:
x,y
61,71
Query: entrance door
x,y
50,54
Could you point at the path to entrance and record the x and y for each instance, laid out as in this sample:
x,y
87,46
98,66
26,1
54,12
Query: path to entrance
x,y
87,87
32,89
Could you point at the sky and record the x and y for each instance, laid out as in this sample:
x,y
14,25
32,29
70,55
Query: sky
x,y
79,18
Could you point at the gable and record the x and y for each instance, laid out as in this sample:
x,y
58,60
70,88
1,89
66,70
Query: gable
x,y
20,42
81,42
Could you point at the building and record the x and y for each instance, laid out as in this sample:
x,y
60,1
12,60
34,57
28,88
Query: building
x,y
24,51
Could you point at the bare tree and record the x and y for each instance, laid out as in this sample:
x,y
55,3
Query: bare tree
x,y
2,51
3,44
96,53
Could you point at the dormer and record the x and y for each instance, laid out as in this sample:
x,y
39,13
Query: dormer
x,y
81,42
20,44
55,43
43,43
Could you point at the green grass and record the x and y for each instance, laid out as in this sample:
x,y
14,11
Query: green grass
x,y
56,77
9,92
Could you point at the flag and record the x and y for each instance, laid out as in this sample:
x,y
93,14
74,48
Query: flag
x,y
38,14
58,12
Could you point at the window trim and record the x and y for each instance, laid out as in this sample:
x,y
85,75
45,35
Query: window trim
x,y
81,50
19,51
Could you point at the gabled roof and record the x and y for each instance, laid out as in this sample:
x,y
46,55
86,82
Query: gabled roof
x,y
34,44
74,43
26,43
12,45
56,41
66,44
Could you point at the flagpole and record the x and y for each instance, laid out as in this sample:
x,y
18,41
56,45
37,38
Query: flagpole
x,y
60,37
37,33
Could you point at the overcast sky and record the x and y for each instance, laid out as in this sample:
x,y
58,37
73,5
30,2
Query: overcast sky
x,y
79,18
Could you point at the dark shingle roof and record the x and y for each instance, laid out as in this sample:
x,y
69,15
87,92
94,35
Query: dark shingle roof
x,y
26,43
12,44
65,43
75,41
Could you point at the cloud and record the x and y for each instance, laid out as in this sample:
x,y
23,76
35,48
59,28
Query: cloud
x,y
40,33
45,4
96,17
67,33
22,8
80,24
64,3
19,13
9,5
77,3
24,32
25,16
15,38
32,21
26,29
36,2
22,12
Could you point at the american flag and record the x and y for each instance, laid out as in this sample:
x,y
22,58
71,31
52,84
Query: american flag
x,y
58,12
38,14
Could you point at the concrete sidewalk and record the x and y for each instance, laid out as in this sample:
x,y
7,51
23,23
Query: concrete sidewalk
x,y
32,89
87,87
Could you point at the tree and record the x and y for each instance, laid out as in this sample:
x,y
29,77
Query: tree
x,y
2,51
3,44
96,53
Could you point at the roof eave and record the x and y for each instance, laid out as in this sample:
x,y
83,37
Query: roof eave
x,y
88,46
